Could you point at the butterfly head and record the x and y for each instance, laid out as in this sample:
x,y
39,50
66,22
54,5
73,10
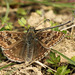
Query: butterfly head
x,y
31,30
31,33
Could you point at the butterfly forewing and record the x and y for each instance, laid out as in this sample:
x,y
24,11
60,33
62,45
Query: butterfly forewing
x,y
10,38
49,38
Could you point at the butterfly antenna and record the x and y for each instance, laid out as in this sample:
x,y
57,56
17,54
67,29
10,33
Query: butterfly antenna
x,y
57,25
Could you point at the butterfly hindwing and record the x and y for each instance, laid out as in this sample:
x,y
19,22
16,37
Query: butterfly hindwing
x,y
39,51
14,54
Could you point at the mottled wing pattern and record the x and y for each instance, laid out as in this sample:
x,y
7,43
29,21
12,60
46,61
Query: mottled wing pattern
x,y
50,38
39,51
15,53
46,41
12,44
9,38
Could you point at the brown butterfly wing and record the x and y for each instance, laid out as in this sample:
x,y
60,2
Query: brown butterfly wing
x,y
9,38
45,41
15,53
39,51
50,38
12,45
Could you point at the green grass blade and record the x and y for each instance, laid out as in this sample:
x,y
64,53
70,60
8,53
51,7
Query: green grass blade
x,y
69,5
7,12
6,66
70,61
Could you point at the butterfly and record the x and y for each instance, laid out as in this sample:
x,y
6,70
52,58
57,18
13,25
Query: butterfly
x,y
29,46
